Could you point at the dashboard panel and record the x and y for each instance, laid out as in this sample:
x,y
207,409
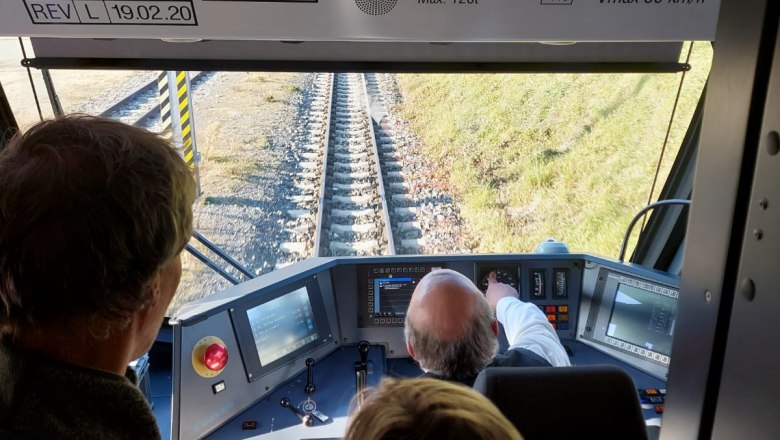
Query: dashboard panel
x,y
319,309
553,285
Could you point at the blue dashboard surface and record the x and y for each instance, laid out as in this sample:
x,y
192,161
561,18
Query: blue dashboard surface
x,y
335,385
334,379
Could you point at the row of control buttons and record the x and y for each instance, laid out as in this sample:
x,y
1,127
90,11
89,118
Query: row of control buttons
x,y
652,396
388,320
399,270
658,357
558,316
651,287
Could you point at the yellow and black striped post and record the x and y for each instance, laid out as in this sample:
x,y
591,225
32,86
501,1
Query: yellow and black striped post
x,y
178,121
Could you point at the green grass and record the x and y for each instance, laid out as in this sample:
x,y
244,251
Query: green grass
x,y
564,156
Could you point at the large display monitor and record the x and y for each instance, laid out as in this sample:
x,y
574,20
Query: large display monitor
x,y
279,326
643,318
634,318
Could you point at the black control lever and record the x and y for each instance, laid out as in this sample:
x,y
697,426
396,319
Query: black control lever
x,y
361,370
309,406
306,419
309,389
363,347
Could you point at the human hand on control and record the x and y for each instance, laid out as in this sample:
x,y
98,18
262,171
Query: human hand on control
x,y
496,291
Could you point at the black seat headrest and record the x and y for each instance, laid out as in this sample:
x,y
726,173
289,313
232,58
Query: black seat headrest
x,y
595,401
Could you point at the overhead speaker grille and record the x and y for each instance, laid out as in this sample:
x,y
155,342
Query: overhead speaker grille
x,y
376,7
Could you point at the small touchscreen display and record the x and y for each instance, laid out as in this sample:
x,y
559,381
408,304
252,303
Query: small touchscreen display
x,y
392,295
385,292
643,318
282,326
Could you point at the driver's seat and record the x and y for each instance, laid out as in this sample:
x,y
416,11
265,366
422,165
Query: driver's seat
x,y
595,401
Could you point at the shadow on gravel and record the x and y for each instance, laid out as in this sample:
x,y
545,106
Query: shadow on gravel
x,y
232,200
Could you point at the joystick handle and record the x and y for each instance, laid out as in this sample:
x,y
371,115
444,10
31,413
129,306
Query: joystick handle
x,y
361,370
309,389
306,419
363,347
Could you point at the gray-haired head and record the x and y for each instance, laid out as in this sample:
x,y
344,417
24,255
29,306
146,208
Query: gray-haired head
x,y
450,328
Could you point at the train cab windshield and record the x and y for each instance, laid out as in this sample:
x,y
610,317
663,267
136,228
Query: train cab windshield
x,y
470,162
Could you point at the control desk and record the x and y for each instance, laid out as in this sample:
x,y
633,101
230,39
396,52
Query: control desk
x,y
278,357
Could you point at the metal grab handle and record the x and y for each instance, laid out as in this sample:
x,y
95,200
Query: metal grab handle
x,y
641,213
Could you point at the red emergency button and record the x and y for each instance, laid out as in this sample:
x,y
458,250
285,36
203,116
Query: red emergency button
x,y
209,356
215,357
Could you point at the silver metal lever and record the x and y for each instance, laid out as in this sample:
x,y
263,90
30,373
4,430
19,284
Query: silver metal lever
x,y
306,419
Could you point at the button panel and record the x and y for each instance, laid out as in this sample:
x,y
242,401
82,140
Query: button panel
x,y
652,396
557,315
671,293
385,291
552,284
640,351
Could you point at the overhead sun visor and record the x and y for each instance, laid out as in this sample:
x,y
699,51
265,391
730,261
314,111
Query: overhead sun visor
x,y
365,31
356,56
365,20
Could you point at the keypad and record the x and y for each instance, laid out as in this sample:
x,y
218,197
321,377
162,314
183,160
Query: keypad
x,y
640,351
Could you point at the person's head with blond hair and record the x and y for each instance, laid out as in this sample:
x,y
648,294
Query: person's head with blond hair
x,y
427,408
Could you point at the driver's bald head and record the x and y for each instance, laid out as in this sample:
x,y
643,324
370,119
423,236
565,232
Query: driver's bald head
x,y
449,325
443,304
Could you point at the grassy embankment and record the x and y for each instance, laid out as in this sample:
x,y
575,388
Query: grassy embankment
x,y
564,156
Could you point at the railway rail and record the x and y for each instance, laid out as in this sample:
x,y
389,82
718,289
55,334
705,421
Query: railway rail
x,y
142,107
351,196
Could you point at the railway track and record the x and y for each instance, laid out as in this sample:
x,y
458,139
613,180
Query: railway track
x,y
351,196
353,217
142,107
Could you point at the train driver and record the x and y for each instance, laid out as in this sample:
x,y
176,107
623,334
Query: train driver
x,y
93,217
451,332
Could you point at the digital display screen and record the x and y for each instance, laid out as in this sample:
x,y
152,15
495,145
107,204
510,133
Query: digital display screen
x,y
384,292
282,325
392,295
537,283
643,318
560,283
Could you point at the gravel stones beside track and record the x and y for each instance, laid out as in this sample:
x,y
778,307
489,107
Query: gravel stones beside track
x,y
246,128
443,229
108,97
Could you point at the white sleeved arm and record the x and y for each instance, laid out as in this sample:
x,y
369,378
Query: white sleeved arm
x,y
527,327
